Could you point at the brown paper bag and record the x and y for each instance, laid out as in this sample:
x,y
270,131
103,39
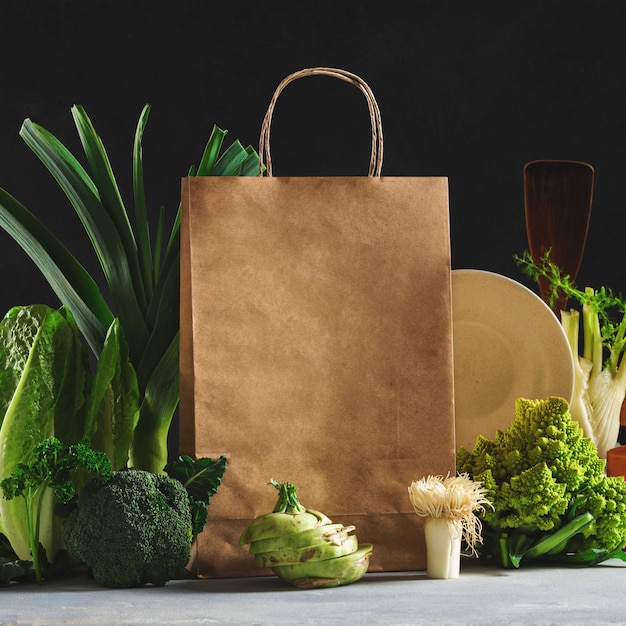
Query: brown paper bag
x,y
316,348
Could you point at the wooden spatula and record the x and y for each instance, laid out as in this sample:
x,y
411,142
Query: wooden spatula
x,y
557,202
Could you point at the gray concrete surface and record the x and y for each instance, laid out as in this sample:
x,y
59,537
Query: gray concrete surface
x,y
480,596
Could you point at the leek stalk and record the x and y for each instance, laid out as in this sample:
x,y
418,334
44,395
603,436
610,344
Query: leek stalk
x,y
141,271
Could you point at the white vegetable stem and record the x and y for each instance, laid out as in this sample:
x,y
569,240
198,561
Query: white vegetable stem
x,y
443,547
599,388
449,505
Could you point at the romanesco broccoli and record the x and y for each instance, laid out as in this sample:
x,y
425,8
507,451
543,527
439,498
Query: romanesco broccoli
x,y
551,498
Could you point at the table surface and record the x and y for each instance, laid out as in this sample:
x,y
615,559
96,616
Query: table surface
x,y
481,595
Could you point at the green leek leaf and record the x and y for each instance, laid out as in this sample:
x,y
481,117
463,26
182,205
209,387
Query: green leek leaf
x,y
166,322
142,224
69,421
211,151
142,276
113,408
106,240
149,447
109,195
250,165
67,277
158,245
230,161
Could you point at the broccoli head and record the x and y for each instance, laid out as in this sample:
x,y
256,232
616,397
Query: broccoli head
x,y
541,474
131,529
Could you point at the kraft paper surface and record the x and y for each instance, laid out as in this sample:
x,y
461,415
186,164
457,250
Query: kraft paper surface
x,y
316,348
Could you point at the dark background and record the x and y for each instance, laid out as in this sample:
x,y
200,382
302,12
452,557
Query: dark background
x,y
469,89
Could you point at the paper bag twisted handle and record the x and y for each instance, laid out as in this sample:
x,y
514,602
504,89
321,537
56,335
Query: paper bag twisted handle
x,y
376,157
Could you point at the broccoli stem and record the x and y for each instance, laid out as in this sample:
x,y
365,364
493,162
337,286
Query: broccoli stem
x,y
513,548
503,541
555,542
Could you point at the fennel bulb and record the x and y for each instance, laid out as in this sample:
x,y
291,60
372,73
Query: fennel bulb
x,y
599,372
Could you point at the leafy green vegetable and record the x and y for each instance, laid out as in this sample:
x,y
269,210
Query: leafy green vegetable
x,y
551,498
201,478
52,467
131,529
141,271
46,389
113,406
43,384
599,372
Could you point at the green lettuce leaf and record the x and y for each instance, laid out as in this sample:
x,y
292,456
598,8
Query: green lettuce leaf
x,y
43,380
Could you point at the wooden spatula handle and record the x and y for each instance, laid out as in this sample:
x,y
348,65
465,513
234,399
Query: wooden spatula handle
x,y
557,201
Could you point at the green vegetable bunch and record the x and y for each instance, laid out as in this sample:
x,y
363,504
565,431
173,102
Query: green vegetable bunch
x,y
46,387
303,547
131,529
599,372
140,265
551,498
52,471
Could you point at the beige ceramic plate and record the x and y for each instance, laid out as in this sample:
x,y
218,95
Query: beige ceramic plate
x,y
507,344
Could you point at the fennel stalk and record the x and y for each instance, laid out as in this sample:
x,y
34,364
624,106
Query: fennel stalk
x,y
599,369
